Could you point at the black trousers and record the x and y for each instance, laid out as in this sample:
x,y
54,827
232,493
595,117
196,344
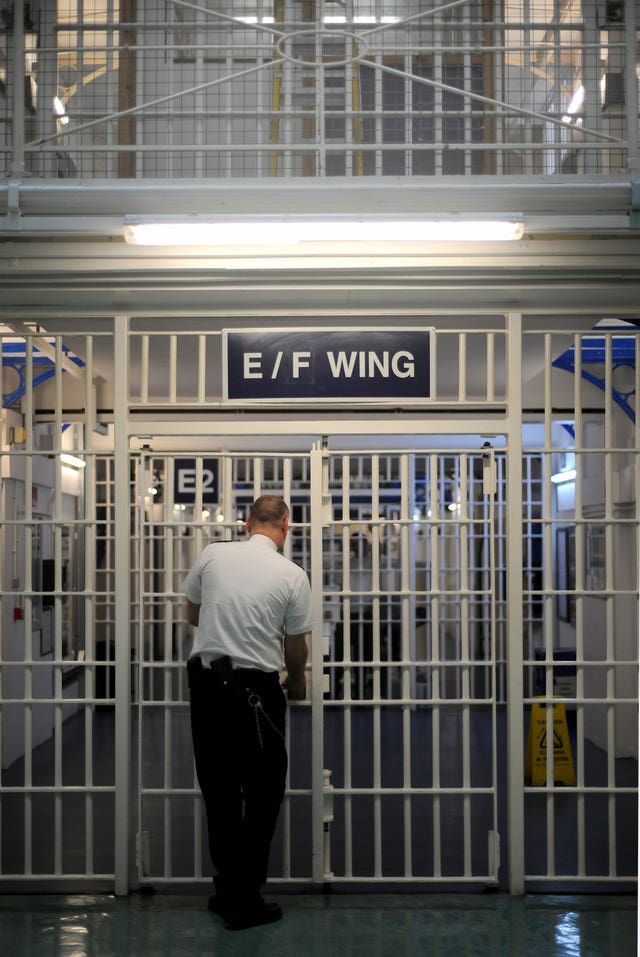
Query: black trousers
x,y
238,733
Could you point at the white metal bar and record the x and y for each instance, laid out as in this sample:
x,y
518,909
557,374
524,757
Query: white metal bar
x,y
202,369
138,586
287,842
173,361
581,824
122,608
515,687
408,424
144,370
407,566
610,606
317,664
375,665
491,368
463,565
89,540
28,614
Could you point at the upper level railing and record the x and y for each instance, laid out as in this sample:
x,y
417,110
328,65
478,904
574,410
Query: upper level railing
x,y
216,89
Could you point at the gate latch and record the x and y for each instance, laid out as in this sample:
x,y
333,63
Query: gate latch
x,y
488,470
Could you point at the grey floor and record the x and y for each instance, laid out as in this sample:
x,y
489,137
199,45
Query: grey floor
x,y
372,925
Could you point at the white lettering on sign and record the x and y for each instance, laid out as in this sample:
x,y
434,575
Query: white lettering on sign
x,y
276,365
252,365
406,369
187,480
361,363
367,364
300,361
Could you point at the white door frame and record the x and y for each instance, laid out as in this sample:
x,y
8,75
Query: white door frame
x,y
126,427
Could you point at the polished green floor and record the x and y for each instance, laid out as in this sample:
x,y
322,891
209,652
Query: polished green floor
x,y
373,925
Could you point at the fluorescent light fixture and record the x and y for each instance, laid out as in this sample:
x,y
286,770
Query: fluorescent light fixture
x,y
577,101
72,461
60,110
567,475
575,105
285,232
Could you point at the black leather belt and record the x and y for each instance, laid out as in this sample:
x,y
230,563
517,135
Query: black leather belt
x,y
223,662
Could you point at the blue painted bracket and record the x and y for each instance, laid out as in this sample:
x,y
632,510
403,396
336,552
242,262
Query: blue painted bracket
x,y
14,357
593,353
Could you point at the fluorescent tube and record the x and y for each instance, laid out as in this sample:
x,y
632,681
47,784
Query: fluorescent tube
x,y
200,232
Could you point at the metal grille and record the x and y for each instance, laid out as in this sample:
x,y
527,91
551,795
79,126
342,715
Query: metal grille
x,y
171,533
581,649
320,88
57,639
408,602
467,364
410,587
413,555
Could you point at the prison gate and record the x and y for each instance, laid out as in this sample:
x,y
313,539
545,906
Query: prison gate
x,y
469,559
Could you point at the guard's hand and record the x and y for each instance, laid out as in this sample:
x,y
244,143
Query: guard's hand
x,y
296,690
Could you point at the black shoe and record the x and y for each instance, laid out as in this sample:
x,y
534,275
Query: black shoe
x,y
253,915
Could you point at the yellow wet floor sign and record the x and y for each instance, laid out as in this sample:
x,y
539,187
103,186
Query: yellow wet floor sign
x,y
538,747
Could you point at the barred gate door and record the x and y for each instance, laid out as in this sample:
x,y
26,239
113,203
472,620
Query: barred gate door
x,y
409,608
393,771
396,760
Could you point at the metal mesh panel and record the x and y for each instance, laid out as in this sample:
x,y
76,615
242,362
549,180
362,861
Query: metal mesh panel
x,y
58,751
413,570
289,89
581,645
171,827
410,594
467,364
408,673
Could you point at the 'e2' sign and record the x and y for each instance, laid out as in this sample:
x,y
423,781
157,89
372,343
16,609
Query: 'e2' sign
x,y
185,479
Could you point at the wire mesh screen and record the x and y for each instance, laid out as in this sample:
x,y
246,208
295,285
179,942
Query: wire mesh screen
x,y
321,88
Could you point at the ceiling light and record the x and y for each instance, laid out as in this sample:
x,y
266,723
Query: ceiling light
x,y
567,475
72,460
60,110
285,232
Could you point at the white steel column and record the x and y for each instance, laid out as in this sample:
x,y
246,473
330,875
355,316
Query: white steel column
x,y
515,684
122,606
317,665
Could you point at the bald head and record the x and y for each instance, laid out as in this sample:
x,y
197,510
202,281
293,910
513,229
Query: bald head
x,y
269,515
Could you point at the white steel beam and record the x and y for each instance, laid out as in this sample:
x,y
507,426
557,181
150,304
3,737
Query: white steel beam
x,y
317,664
515,684
122,609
